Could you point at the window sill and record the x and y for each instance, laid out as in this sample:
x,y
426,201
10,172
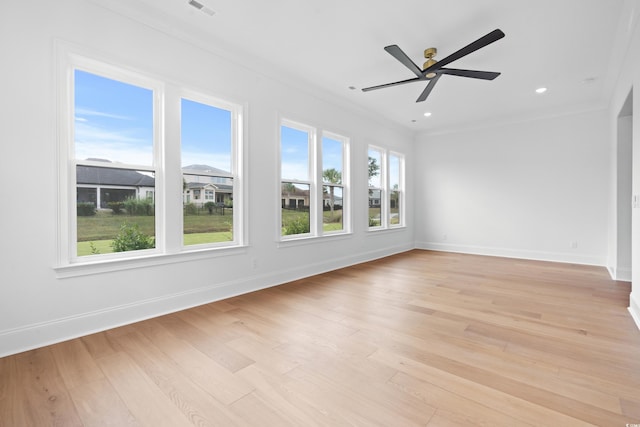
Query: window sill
x,y
375,230
308,240
106,266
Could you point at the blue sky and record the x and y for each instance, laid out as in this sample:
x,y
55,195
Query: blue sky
x,y
114,121
109,128
295,154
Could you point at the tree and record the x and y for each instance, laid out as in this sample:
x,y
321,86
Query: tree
x,y
374,170
374,167
332,176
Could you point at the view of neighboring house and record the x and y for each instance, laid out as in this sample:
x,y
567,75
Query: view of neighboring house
x,y
293,197
203,183
101,185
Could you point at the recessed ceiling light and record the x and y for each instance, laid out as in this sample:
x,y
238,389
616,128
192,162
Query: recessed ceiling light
x,y
541,90
427,114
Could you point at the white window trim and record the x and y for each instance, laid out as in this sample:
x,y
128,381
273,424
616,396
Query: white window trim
x,y
168,249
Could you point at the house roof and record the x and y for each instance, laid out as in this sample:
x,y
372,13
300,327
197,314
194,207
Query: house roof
x,y
112,176
195,169
221,188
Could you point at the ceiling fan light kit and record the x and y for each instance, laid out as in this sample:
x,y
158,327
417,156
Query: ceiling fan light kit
x,y
432,69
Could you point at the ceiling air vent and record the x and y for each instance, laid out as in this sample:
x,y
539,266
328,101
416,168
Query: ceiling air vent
x,y
202,7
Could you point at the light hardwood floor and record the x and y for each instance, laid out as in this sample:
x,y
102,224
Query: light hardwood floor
x,y
422,338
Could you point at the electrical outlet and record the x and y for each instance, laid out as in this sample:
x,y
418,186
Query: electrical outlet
x,y
573,244
254,263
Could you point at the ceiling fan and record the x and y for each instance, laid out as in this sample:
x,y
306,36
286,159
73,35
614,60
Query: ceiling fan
x,y
432,70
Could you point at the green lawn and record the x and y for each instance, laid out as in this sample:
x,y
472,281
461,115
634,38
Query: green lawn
x,y
99,230
102,228
329,223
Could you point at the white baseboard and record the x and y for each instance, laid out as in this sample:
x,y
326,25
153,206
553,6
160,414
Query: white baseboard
x,y
32,336
514,253
634,307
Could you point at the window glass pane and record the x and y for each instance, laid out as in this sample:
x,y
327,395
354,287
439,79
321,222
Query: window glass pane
x,y
395,190
295,208
394,207
331,161
206,146
113,120
394,172
295,154
115,210
332,208
207,209
205,137
375,208
375,163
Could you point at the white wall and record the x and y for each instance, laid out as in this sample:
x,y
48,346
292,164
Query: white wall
x,y
629,80
37,307
537,189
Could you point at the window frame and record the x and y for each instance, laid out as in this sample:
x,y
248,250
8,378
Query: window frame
x,y
316,182
346,225
401,189
166,169
385,189
234,174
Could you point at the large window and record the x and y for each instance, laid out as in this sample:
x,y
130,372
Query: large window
x,y
386,188
312,181
120,174
115,165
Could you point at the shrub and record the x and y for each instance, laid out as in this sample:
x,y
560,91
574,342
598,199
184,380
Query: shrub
x,y
116,207
299,225
210,206
130,238
190,209
86,209
136,206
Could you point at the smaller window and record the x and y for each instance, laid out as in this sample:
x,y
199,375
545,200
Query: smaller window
x,y
396,193
376,213
296,189
333,149
386,188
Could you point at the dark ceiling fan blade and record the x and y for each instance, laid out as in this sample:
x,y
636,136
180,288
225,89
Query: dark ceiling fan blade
x,y
397,53
427,90
483,41
415,79
484,75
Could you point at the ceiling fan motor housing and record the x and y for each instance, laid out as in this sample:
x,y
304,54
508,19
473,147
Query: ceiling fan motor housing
x,y
429,54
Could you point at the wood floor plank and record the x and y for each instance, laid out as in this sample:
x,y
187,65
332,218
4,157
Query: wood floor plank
x,y
41,395
142,396
419,339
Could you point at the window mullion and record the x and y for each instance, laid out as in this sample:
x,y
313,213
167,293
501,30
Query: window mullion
x,y
170,207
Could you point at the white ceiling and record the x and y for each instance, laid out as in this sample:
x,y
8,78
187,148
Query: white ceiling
x,y
572,47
